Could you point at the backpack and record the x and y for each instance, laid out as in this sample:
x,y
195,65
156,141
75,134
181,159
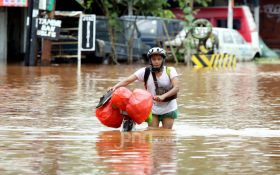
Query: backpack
x,y
146,76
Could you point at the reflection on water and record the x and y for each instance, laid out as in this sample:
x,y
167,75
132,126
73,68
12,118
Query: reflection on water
x,y
228,123
145,152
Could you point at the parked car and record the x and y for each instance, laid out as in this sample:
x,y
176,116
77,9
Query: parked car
x,y
122,36
230,41
67,44
152,29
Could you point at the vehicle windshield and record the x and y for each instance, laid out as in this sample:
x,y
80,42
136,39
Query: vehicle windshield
x,y
102,31
147,26
238,38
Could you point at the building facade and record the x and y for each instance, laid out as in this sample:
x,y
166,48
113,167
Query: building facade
x,y
13,26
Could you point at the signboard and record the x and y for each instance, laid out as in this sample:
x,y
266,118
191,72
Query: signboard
x,y
14,3
87,32
48,28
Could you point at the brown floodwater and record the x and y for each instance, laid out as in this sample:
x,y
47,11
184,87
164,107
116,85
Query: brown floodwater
x,y
229,123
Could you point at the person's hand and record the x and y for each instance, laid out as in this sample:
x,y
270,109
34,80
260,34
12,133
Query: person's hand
x,y
158,98
110,89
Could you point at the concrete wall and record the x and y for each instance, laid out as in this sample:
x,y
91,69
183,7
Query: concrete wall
x,y
3,33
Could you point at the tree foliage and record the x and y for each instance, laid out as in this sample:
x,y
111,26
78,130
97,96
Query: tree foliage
x,y
113,9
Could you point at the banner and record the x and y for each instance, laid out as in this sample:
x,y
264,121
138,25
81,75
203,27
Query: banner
x,y
14,3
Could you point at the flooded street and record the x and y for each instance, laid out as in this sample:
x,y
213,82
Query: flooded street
x,y
229,123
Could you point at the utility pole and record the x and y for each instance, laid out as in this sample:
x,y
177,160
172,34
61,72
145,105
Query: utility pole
x,y
188,52
31,42
29,23
47,43
230,14
130,8
257,13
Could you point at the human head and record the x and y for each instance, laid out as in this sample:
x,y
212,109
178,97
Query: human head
x,y
154,54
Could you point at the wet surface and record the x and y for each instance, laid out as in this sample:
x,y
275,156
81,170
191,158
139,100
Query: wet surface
x,y
228,123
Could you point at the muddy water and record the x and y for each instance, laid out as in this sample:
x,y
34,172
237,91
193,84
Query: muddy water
x,y
228,123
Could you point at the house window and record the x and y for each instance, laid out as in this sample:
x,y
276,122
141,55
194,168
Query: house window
x,y
223,23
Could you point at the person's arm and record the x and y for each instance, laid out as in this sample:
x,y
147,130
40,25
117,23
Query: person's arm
x,y
125,82
173,91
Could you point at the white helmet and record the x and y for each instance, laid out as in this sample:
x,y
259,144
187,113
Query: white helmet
x,y
156,50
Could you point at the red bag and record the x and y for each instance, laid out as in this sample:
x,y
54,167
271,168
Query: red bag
x,y
139,105
120,97
109,116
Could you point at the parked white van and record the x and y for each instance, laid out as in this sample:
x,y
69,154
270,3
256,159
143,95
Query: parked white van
x,y
229,41
232,42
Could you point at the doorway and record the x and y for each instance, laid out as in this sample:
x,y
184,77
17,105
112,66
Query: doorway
x,y
16,32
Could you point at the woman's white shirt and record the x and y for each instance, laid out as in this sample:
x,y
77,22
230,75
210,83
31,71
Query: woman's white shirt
x,y
163,81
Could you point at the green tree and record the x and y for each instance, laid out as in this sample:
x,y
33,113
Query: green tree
x,y
113,9
187,7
